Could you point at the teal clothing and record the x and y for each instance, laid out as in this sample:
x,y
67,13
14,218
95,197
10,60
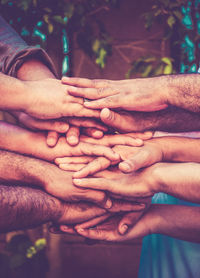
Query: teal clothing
x,y
167,257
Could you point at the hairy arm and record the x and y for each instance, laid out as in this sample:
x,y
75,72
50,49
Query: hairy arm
x,y
26,207
171,119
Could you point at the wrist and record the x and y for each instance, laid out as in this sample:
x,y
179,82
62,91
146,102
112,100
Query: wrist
x,y
156,178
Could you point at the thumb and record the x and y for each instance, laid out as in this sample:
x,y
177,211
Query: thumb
x,y
128,221
136,162
119,122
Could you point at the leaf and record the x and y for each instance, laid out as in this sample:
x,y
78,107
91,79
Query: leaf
x,y
166,60
96,46
147,71
101,59
50,28
40,243
168,69
171,21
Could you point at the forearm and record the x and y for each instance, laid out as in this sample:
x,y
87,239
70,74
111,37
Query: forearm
x,y
24,207
184,91
34,69
178,149
16,139
181,180
19,169
176,221
12,93
172,119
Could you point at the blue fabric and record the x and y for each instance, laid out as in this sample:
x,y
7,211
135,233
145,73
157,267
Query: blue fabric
x,y
166,257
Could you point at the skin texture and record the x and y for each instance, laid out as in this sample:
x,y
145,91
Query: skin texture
x,y
158,219
27,207
146,94
34,70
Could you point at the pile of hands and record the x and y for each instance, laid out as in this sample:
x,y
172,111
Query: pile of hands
x,y
106,161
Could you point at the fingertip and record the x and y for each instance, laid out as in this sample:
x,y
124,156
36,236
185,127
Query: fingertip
x,y
51,141
139,142
125,167
72,140
65,79
97,134
123,229
108,204
77,182
105,113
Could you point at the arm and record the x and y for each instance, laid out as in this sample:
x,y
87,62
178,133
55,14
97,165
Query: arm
x,y
23,207
171,220
146,94
21,170
171,119
180,180
173,149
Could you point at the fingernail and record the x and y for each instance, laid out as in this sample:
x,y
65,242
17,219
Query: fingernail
x,y
123,229
139,141
97,133
73,140
64,127
51,141
126,166
87,103
77,181
80,230
116,156
108,204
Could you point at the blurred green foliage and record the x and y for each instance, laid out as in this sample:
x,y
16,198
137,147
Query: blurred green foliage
x,y
22,258
38,20
180,20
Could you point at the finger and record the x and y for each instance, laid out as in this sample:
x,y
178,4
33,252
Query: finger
x,y
54,125
137,161
79,110
71,167
142,135
98,233
74,160
52,138
93,132
109,100
128,221
98,197
92,93
113,186
87,122
116,139
96,165
119,122
72,135
93,222
85,82
68,229
124,206
97,150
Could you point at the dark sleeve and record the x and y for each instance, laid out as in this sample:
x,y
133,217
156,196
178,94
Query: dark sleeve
x,y
14,51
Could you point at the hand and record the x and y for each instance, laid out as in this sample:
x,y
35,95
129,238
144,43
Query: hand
x,y
135,158
140,184
149,94
49,99
118,207
131,226
99,163
78,213
59,184
124,122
